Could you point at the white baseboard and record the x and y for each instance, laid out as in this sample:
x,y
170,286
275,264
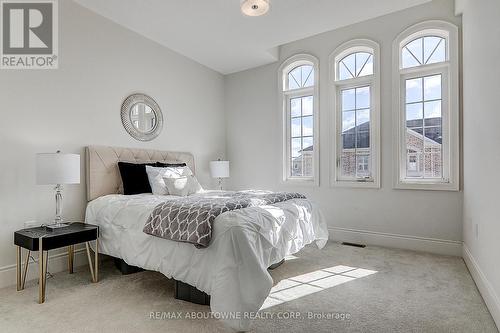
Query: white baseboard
x,y
490,297
57,263
433,245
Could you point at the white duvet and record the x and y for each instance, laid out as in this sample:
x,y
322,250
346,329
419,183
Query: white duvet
x,y
233,268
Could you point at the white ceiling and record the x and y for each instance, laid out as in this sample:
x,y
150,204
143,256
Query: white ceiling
x,y
216,34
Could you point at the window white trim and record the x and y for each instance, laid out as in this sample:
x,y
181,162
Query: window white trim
x,y
353,46
284,98
450,105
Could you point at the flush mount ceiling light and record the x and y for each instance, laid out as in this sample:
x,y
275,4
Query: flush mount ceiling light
x,y
254,7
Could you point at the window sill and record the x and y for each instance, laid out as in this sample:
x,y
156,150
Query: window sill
x,y
355,184
426,186
301,181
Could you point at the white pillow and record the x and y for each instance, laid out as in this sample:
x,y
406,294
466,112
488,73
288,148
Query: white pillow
x,y
182,186
155,177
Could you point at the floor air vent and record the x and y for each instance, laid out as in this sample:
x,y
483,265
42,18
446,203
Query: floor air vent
x,y
353,244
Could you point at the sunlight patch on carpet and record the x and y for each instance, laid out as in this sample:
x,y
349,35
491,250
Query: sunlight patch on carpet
x,y
306,284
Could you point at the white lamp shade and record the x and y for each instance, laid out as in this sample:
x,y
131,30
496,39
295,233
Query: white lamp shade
x,y
219,169
57,168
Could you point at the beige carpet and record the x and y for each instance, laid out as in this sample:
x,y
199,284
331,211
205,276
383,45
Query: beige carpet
x,y
355,290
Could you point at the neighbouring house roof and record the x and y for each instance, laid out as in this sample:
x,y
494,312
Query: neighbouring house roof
x,y
363,139
433,129
428,142
310,148
433,133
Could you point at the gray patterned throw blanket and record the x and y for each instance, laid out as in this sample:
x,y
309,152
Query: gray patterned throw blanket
x,y
190,219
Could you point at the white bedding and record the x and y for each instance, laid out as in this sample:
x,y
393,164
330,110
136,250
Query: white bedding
x,y
233,268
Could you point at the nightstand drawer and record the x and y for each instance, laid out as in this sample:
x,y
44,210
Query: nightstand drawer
x,y
75,233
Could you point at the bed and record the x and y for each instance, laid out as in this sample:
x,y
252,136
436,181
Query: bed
x,y
245,242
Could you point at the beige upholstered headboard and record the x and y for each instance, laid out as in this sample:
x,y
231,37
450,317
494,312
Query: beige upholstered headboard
x,y
103,176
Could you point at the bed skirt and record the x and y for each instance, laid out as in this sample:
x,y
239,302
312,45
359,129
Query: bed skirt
x,y
182,291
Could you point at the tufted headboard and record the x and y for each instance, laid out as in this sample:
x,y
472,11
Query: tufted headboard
x,y
103,176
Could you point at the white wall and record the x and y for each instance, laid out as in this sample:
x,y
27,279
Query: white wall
x,y
254,141
481,140
79,104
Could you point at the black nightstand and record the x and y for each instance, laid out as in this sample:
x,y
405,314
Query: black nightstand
x,y
42,240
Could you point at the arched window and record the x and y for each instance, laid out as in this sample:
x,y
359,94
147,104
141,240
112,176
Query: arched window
x,y
299,88
426,107
301,76
354,71
423,51
355,64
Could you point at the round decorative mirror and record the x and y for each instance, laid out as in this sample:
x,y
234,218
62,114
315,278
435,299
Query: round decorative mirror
x,y
141,117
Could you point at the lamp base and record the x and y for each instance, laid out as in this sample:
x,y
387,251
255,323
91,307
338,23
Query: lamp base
x,y
56,226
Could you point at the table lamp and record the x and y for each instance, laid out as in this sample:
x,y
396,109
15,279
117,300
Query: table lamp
x,y
57,169
219,169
